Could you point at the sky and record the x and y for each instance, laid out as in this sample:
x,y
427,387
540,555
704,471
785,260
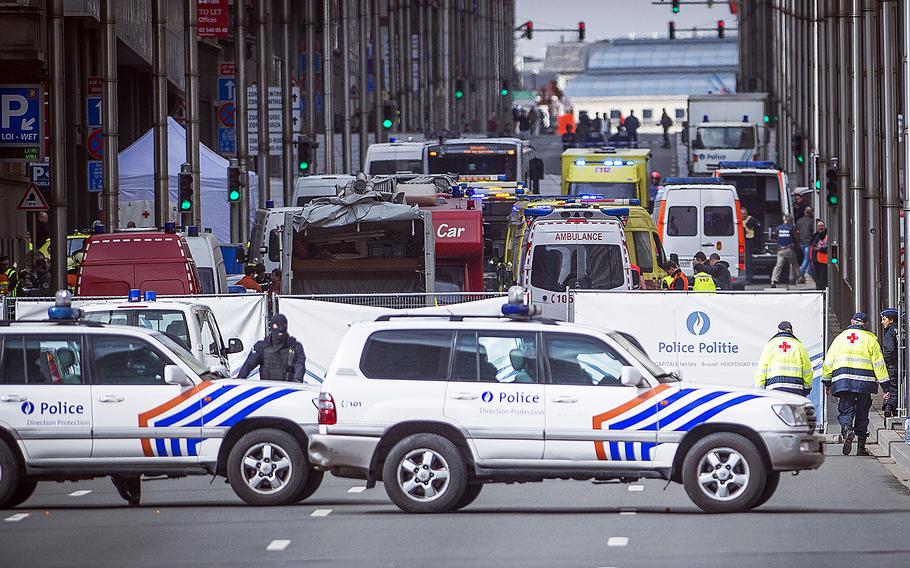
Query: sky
x,y
608,19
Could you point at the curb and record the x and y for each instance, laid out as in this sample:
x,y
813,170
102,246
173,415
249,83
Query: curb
x,y
890,447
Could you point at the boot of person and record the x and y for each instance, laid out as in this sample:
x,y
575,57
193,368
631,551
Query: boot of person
x,y
861,447
848,434
129,488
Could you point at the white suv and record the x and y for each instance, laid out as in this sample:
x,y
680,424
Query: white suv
x,y
80,399
436,407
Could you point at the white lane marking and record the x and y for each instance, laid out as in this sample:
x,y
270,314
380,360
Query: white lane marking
x,y
627,511
277,545
80,493
618,541
636,488
16,518
321,513
357,489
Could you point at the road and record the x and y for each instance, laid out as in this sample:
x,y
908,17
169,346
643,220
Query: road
x,y
850,513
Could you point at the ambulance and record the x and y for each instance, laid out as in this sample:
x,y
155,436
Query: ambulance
x,y
588,171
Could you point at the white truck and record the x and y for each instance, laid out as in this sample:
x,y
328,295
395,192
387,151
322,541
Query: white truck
x,y
726,128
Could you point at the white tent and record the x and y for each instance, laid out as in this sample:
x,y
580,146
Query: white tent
x,y
137,182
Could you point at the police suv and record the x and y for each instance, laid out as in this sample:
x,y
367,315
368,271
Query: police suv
x,y
519,399
80,399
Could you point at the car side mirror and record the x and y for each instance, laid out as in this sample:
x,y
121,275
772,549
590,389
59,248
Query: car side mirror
x,y
631,377
234,346
174,375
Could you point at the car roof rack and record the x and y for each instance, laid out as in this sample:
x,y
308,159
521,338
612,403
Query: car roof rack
x,y
87,323
462,317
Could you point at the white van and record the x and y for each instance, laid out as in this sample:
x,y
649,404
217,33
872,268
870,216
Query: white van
x,y
389,158
308,188
577,248
206,251
701,214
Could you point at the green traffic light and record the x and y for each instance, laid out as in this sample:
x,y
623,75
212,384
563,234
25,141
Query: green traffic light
x,y
834,260
766,118
676,9
459,94
818,184
186,205
833,200
387,123
303,166
800,158
234,195
504,92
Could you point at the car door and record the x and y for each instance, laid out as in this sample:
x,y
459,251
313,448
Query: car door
x,y
590,415
45,396
494,393
682,234
718,225
137,416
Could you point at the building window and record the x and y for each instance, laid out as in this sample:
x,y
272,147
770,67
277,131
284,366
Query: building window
x,y
647,113
615,113
680,113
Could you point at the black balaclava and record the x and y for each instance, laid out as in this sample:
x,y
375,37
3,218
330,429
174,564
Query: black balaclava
x,y
278,329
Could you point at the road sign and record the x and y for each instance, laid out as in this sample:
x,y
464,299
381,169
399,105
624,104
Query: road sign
x,y
95,174
227,141
226,115
21,122
213,18
227,68
40,173
93,110
32,200
227,89
94,85
274,143
94,145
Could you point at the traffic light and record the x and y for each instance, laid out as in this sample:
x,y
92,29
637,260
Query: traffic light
x,y
581,31
676,6
720,29
833,256
234,184
796,145
304,157
388,116
831,185
459,89
672,28
185,184
504,90
529,30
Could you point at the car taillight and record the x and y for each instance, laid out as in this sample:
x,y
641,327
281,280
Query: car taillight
x,y
742,257
326,406
694,157
576,220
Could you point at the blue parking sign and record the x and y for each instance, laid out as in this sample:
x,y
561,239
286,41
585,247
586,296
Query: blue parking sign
x,y
226,141
95,176
21,115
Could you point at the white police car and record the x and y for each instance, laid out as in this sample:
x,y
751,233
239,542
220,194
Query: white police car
x,y
81,399
435,407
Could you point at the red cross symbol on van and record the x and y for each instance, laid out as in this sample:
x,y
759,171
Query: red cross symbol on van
x,y
852,338
785,346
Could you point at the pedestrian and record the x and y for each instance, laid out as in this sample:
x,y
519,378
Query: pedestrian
x,y
720,271
534,119
655,187
675,279
752,229
275,285
799,206
583,131
568,139
42,281
597,124
785,365
818,250
702,279
524,125
632,126
249,279
889,352
666,123
492,126
853,370
786,255
535,173
805,229
9,274
263,278
280,357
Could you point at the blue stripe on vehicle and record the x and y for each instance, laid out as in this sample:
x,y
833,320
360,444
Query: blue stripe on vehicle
x,y
161,448
175,447
676,415
614,451
708,414
649,410
630,451
646,448
255,406
206,418
193,408
191,444
315,377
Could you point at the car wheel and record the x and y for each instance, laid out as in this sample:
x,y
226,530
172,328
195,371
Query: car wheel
x,y
10,479
312,483
724,473
425,473
25,490
771,484
470,494
267,467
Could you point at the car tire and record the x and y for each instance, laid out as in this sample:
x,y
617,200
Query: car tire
x,y
771,483
267,467
413,474
724,473
470,494
25,490
10,477
312,483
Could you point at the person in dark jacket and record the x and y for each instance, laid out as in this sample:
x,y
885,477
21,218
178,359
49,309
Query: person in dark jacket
x,y
632,126
889,350
535,173
720,271
568,139
818,250
675,279
280,357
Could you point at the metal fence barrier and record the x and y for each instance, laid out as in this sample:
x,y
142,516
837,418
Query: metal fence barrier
x,y
403,301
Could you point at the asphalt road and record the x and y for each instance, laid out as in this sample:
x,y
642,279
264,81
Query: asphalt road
x,y
850,513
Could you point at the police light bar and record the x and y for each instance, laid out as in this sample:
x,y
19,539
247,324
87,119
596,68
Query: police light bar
x,y
754,165
616,211
492,177
134,295
694,181
192,231
150,296
62,309
580,162
538,211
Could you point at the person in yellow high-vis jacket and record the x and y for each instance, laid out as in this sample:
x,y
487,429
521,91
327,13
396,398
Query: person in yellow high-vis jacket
x,y
784,365
854,369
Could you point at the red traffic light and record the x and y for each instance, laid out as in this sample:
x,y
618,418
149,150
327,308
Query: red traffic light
x,y
529,29
720,28
581,31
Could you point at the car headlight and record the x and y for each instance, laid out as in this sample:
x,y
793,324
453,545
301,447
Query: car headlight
x,y
791,414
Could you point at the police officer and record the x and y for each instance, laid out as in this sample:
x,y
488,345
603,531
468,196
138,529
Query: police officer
x,y
784,365
10,276
786,253
675,280
702,279
889,351
853,370
279,356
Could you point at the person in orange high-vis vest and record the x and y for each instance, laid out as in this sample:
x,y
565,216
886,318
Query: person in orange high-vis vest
x,y
675,280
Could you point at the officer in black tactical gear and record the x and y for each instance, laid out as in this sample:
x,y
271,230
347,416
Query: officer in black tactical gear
x,y
280,357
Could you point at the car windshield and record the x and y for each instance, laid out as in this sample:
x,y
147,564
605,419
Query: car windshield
x,y
385,167
474,160
610,190
178,351
587,267
639,355
725,137
171,322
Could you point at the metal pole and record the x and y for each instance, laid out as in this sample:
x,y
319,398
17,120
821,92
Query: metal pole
x,y
378,70
262,101
872,161
890,159
242,126
843,72
287,120
311,76
58,145
447,100
159,110
347,104
328,107
363,136
857,166
110,195
394,92
191,41
905,100
407,95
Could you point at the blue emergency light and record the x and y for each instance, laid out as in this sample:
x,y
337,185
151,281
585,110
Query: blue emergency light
x,y
519,191
457,190
192,231
62,309
580,162
134,295
694,181
762,165
150,296
538,211
616,211
170,227
269,204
